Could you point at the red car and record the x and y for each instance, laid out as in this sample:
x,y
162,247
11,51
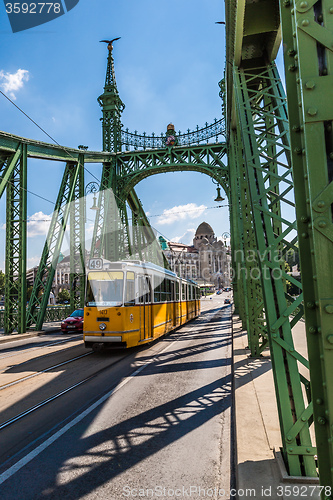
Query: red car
x,y
74,322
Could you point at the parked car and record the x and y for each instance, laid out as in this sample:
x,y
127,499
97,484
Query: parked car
x,y
74,322
227,301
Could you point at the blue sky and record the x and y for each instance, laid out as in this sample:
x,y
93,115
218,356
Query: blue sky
x,y
168,64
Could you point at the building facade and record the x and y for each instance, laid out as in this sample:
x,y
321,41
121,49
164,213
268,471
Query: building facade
x,y
207,261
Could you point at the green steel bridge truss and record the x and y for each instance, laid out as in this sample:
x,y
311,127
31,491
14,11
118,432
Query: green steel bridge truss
x,y
273,154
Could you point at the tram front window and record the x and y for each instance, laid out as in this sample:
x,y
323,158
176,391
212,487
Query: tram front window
x,y
105,288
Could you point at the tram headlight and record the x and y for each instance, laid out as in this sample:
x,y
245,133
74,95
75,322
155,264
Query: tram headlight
x,y
102,326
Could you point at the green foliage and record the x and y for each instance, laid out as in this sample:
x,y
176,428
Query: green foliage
x,y
2,283
292,257
29,291
63,295
291,288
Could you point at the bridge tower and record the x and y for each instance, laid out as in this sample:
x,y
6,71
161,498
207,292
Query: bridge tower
x,y
113,238
112,107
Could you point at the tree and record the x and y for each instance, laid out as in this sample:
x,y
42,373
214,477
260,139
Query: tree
x,y
29,291
2,283
292,257
63,296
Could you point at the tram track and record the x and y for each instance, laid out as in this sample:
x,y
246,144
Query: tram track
x,y
56,396
43,403
70,395
116,399
23,379
45,345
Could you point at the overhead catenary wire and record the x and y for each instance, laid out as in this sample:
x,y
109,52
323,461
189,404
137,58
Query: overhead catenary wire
x,y
52,139
85,168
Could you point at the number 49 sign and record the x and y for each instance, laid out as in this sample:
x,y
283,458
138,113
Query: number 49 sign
x,y
28,14
96,264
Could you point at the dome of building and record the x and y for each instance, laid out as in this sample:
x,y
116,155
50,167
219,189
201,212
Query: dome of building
x,y
204,229
204,241
204,234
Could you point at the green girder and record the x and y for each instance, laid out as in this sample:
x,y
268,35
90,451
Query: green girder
x,y
14,178
209,159
260,108
50,256
307,33
77,239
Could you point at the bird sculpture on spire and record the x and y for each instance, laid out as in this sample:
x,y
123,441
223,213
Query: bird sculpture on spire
x,y
109,42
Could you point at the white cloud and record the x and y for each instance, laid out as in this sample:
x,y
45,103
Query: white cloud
x,y
186,238
38,224
33,261
181,212
12,82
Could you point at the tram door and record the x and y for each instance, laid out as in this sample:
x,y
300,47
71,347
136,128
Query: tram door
x,y
146,309
174,303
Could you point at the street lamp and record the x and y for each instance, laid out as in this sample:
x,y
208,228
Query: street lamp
x,y
93,188
225,236
218,189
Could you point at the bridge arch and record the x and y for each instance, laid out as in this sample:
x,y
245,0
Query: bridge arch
x,y
209,159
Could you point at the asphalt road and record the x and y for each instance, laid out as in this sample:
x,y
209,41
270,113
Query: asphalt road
x,y
151,423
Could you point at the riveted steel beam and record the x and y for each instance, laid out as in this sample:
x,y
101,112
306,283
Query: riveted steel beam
x,y
15,179
307,34
50,256
77,238
262,116
9,144
210,159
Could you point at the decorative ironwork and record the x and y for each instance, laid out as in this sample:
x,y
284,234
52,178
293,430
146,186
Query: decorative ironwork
x,y
52,313
142,141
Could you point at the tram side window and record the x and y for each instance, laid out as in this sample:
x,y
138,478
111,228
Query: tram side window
x,y
183,292
177,291
144,290
162,292
130,289
167,291
159,291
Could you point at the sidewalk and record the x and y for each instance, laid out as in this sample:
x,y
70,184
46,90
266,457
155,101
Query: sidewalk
x,y
47,328
260,465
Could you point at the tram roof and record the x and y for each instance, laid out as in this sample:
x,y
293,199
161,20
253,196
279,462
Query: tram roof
x,y
145,265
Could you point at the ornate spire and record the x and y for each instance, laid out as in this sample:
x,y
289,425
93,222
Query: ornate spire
x,y
112,106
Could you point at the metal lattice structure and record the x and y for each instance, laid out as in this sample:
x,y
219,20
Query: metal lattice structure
x,y
261,110
215,130
280,148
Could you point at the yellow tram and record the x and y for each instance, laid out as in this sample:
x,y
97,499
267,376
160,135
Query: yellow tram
x,y
131,303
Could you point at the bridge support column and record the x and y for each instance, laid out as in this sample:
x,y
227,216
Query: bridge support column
x,y
307,35
50,256
260,104
77,238
245,253
111,238
14,178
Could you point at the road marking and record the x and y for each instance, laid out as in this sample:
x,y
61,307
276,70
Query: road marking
x,y
34,453
43,371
